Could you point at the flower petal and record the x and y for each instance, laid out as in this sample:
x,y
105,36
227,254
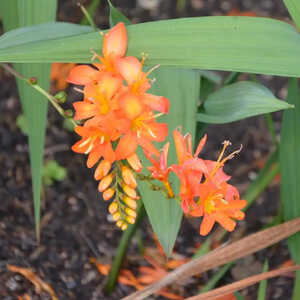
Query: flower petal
x,y
130,68
207,224
126,146
115,41
82,75
225,221
148,146
158,103
84,110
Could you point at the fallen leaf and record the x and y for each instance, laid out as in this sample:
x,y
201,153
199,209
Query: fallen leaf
x,y
34,279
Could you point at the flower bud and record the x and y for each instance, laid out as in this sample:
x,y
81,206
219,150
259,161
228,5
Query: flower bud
x,y
61,97
135,162
105,182
116,216
124,226
108,194
130,202
130,220
102,169
129,191
33,80
68,113
119,223
113,207
130,212
128,177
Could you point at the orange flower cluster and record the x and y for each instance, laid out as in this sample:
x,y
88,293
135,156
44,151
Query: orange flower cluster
x,y
204,191
117,115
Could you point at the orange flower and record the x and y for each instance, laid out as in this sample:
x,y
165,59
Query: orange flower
x,y
94,142
190,168
159,169
59,72
218,201
114,46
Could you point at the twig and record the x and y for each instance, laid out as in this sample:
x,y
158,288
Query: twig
x,y
34,85
241,284
221,256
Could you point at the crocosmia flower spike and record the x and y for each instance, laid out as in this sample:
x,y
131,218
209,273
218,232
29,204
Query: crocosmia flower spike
x,y
115,117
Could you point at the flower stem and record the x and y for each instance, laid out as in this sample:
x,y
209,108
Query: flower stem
x,y
34,85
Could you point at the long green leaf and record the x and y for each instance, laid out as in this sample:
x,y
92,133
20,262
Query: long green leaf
x,y
221,43
182,88
290,170
294,9
238,101
24,13
262,289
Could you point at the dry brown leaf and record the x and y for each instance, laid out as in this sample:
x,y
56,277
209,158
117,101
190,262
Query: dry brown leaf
x,y
34,279
223,255
241,284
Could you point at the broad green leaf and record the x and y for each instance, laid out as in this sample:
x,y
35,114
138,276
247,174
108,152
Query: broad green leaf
x,y
210,43
262,289
290,170
239,101
19,13
211,76
115,16
181,87
293,7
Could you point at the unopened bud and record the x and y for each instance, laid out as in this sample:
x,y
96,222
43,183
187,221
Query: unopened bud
x,y
68,113
130,212
108,194
105,182
116,216
119,223
129,191
130,220
130,202
124,226
113,207
135,162
33,80
102,169
128,177
61,97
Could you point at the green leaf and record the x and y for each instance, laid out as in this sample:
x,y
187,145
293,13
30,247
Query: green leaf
x,y
53,171
209,43
239,101
211,76
181,87
294,9
290,170
17,13
262,289
22,124
115,16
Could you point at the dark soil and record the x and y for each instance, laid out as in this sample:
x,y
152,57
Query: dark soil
x,y
75,223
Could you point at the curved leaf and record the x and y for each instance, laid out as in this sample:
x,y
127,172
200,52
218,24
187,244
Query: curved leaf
x,y
222,43
239,101
294,9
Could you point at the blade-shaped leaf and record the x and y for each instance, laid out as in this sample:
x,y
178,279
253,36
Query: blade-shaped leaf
x,y
221,43
182,88
115,16
293,7
290,170
238,101
262,289
24,13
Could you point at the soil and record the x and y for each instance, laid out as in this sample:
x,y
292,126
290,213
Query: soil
x,y
75,224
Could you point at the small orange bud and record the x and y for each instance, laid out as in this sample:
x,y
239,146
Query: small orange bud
x,y
124,226
129,191
102,169
113,207
116,216
135,162
130,202
105,182
130,220
119,223
130,212
128,177
108,194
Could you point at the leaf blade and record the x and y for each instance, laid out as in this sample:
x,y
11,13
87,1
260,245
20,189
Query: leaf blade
x,y
238,101
293,7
